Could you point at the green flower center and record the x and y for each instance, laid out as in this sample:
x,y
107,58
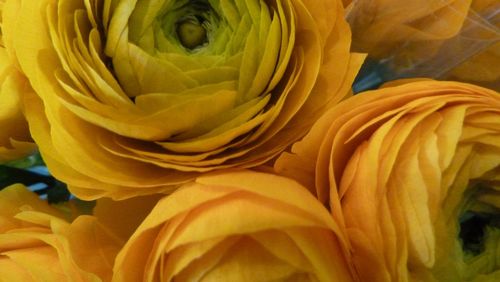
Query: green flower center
x,y
191,33
191,25
178,54
473,230
476,250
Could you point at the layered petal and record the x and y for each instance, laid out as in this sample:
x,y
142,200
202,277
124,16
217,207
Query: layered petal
x,y
236,226
411,172
38,244
136,97
15,139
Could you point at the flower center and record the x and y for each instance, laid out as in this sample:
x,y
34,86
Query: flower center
x,y
191,32
190,23
479,222
472,231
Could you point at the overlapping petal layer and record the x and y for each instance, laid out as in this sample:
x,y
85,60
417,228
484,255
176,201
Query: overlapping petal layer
x,y
412,172
236,226
15,140
38,244
135,97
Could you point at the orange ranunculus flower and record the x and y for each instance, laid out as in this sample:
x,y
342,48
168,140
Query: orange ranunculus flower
x,y
412,173
15,140
236,226
38,244
136,97
405,31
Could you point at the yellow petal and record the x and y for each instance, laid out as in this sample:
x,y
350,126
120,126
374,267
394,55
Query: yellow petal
x,y
232,226
36,242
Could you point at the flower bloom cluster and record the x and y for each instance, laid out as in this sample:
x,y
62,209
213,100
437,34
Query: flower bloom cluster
x,y
220,140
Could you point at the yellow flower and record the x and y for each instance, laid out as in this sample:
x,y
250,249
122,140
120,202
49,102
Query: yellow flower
x,y
138,96
37,244
236,226
411,172
405,31
15,140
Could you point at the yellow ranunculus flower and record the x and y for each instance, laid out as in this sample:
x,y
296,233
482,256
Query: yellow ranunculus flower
x,y
236,226
412,174
15,140
38,244
405,31
136,96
